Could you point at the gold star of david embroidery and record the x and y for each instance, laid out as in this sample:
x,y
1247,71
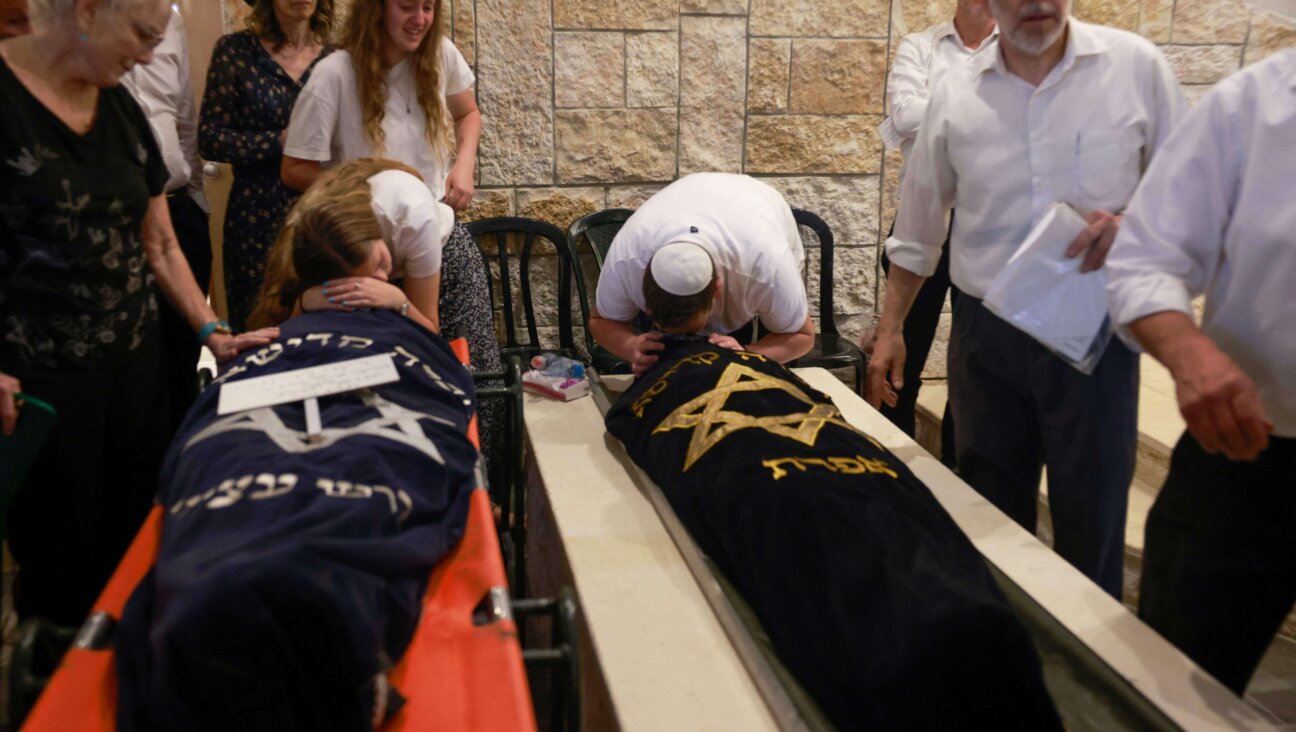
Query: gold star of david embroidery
x,y
705,412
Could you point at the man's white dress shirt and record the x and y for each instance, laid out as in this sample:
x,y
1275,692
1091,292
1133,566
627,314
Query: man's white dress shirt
x,y
1001,151
165,93
1216,213
921,61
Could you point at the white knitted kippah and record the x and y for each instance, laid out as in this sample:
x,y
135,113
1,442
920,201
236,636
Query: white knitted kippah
x,y
682,268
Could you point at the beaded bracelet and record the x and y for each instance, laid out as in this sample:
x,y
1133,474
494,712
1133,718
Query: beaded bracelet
x,y
215,326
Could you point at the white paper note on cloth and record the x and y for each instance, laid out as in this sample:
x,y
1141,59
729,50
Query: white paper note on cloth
x,y
300,384
1043,293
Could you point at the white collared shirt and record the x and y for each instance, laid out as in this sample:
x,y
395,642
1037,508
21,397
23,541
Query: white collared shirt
x,y
165,93
328,126
1001,151
921,61
1216,213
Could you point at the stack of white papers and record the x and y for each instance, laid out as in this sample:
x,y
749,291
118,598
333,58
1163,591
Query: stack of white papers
x,y
1043,293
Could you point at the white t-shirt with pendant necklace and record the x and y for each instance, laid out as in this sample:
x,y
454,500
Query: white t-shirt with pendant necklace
x,y
327,124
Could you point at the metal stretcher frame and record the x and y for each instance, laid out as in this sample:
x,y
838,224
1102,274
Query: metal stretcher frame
x,y
463,669
1100,697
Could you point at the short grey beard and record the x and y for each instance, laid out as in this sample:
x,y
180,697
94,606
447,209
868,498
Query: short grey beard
x,y
1025,43
1032,45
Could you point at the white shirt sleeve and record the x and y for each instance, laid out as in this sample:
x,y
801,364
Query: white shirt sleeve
x,y
781,304
458,74
1171,240
927,192
421,239
314,121
907,92
613,296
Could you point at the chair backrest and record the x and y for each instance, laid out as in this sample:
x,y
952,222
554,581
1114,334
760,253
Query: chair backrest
x,y
588,239
825,236
500,231
596,231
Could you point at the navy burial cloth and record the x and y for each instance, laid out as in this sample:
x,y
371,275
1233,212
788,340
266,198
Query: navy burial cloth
x,y
291,573
872,596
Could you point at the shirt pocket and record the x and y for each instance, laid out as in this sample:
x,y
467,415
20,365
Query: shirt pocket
x,y
1107,168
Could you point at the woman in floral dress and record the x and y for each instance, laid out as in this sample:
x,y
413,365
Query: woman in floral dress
x,y
252,85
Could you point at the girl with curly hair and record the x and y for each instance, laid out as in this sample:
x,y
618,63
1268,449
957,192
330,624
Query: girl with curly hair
x,y
394,90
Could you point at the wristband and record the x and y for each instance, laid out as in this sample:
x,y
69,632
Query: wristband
x,y
404,309
215,326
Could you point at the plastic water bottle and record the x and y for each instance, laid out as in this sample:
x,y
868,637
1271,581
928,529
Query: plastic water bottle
x,y
551,364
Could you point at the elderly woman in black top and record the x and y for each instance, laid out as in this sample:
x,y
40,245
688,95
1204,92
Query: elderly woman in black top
x,y
252,85
84,237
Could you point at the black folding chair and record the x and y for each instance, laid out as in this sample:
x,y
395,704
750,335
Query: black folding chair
x,y
588,239
504,232
831,350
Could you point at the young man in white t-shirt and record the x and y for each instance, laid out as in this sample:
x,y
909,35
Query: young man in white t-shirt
x,y
752,248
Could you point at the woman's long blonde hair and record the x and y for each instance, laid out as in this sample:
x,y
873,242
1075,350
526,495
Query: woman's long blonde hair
x,y
363,38
327,234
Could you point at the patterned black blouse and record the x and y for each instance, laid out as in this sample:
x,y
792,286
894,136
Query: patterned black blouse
x,y
246,107
76,291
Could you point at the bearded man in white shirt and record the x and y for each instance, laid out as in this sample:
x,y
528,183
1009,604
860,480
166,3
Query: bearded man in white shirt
x,y
1060,111
165,93
1215,215
921,61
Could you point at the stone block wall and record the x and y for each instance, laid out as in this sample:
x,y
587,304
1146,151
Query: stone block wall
x,y
591,104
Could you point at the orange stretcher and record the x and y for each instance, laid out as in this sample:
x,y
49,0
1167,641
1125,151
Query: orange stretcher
x,y
463,669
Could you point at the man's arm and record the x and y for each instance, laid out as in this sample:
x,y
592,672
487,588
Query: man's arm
x,y
785,347
886,365
926,195
618,336
1168,250
907,87
1220,403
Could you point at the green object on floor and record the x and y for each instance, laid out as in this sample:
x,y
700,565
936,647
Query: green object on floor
x,y
18,451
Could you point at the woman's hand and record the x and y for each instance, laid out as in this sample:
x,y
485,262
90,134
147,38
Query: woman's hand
x,y
352,293
9,389
459,186
225,346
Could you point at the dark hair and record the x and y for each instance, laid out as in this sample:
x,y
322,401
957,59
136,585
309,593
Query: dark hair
x,y
671,312
263,22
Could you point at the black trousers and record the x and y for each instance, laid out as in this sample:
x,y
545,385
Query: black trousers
x,y
180,345
1219,562
919,332
92,484
1018,407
